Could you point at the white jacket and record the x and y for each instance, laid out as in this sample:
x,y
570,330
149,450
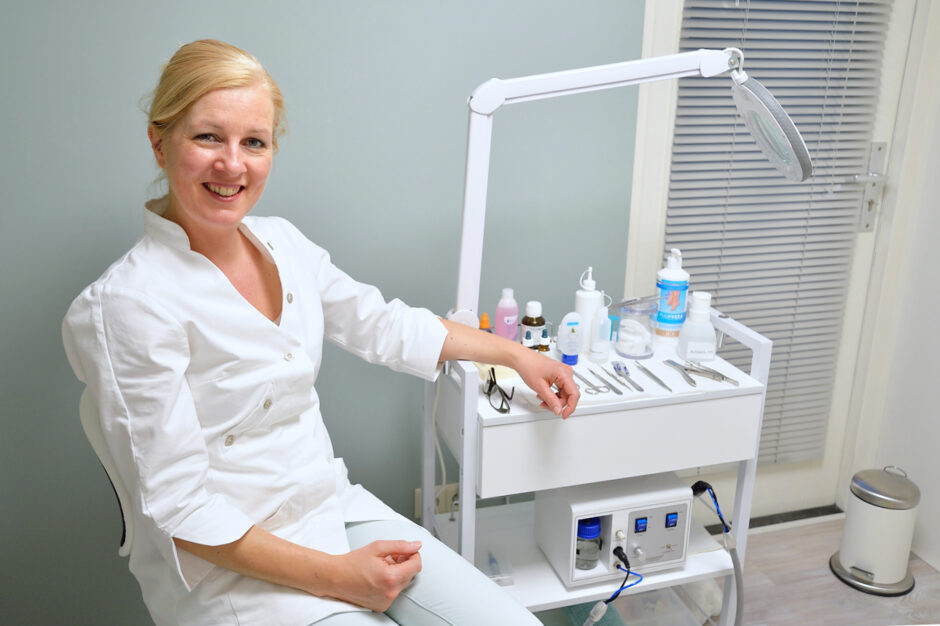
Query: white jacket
x,y
210,412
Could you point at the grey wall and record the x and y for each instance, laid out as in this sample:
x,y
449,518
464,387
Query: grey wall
x,y
372,170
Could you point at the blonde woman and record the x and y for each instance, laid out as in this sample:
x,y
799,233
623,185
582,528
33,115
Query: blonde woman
x,y
200,348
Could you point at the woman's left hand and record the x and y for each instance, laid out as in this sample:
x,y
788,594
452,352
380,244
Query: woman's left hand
x,y
541,373
538,371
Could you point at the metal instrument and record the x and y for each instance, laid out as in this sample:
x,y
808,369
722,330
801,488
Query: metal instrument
x,y
707,372
651,375
590,387
621,369
609,384
682,371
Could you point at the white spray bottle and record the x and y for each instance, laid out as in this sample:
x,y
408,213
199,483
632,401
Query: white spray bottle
x,y
599,349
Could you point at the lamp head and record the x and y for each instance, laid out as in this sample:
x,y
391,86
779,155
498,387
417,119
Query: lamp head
x,y
771,127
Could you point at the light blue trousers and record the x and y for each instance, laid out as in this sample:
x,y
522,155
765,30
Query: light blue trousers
x,y
447,591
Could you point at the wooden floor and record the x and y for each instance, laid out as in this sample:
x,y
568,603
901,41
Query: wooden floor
x,y
787,581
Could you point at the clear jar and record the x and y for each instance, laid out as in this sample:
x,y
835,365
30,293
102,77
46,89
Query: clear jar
x,y
635,332
588,546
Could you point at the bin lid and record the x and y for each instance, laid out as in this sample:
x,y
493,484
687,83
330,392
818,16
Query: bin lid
x,y
886,489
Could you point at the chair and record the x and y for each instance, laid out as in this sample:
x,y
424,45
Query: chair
x,y
91,424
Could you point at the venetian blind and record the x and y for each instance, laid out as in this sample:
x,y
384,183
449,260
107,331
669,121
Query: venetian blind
x,y
776,255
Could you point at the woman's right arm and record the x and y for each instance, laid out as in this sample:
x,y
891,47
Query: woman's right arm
x,y
371,577
132,356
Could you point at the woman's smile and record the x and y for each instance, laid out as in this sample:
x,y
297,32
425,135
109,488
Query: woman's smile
x,y
226,192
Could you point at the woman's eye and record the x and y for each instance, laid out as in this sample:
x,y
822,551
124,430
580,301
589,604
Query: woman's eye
x,y
255,143
206,137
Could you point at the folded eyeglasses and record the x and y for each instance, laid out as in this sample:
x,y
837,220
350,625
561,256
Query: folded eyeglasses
x,y
497,396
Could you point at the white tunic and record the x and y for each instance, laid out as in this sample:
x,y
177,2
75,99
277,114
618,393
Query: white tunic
x,y
210,412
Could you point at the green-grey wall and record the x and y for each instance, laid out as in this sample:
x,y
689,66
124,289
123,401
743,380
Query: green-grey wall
x,y
372,169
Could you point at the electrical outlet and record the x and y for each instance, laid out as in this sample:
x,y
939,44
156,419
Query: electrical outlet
x,y
444,498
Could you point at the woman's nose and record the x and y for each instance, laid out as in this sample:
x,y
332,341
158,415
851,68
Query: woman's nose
x,y
231,160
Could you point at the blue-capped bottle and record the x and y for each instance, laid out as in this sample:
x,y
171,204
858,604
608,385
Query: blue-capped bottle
x,y
672,282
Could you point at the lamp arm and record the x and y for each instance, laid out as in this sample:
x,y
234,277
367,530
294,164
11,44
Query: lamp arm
x,y
494,93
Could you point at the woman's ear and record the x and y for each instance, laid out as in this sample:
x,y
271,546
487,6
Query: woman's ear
x,y
156,143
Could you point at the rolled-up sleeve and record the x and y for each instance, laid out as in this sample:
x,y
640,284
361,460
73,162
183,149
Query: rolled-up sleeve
x,y
132,356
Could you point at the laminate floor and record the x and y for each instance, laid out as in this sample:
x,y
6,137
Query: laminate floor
x,y
787,581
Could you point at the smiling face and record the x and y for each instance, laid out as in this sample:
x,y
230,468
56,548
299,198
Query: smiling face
x,y
217,158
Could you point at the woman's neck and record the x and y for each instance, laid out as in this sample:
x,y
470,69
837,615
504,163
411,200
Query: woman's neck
x,y
221,244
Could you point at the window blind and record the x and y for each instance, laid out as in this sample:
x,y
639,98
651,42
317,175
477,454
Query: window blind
x,y
776,255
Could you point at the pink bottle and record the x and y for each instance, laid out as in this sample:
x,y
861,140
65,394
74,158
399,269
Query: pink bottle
x,y
507,315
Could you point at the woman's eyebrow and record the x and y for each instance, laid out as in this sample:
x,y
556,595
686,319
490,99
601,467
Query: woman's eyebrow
x,y
216,126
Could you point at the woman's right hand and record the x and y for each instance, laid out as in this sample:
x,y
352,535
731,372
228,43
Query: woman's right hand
x,y
373,575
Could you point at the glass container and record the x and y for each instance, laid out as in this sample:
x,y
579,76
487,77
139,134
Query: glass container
x,y
635,331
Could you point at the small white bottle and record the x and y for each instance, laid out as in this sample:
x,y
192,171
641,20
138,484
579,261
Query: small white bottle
x,y
697,340
600,336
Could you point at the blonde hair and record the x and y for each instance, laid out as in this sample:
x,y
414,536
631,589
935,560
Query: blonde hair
x,y
203,66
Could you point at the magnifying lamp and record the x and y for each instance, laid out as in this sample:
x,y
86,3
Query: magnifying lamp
x,y
772,129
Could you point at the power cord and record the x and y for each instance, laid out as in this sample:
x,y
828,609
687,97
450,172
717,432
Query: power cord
x,y
598,610
438,491
698,489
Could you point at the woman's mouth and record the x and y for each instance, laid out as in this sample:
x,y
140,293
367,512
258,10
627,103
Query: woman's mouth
x,y
223,191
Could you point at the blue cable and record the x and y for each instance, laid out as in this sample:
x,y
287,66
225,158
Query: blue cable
x,y
724,525
635,582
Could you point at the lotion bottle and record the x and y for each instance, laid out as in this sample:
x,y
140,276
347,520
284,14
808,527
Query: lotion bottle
x,y
569,338
587,300
697,340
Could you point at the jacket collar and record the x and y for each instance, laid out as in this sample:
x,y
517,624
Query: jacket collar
x,y
162,229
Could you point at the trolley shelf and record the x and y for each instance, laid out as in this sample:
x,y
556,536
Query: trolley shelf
x,y
506,532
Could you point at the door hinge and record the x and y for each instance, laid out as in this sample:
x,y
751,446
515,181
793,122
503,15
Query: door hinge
x,y
873,183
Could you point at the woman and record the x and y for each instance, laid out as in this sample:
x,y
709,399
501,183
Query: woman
x,y
200,348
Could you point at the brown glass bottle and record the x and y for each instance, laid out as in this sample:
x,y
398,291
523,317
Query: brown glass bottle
x,y
534,322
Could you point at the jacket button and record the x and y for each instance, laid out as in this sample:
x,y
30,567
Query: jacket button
x,y
290,297
268,403
230,440
288,357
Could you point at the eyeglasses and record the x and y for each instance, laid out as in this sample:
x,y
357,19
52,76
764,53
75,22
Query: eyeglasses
x,y
498,397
